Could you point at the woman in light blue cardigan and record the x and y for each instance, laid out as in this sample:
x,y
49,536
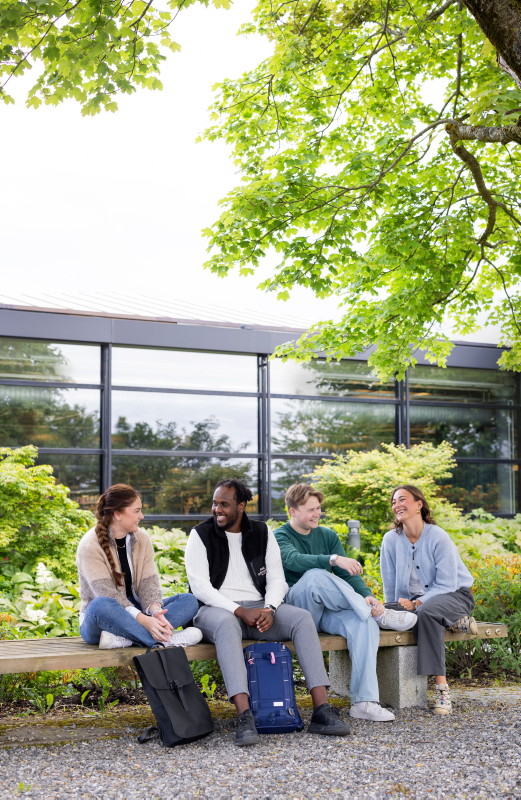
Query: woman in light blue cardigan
x,y
422,571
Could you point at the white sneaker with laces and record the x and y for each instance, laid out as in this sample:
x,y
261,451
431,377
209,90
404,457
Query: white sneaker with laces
x,y
397,620
372,711
185,638
109,641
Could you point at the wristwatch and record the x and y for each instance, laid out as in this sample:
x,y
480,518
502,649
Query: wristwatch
x,y
272,609
333,558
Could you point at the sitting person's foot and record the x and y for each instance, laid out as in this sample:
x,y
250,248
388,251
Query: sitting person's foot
x,y
396,620
184,638
465,624
371,710
326,721
246,732
109,641
442,701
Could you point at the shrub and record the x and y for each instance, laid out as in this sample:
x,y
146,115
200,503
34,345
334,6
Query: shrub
x,y
497,592
358,485
38,520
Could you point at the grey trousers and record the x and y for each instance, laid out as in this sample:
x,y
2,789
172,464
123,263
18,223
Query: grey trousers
x,y
227,631
434,616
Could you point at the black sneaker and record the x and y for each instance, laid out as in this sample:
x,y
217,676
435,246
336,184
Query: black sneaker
x,y
326,720
246,732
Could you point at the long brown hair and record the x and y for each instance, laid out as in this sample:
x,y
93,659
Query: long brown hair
x,y
115,498
418,495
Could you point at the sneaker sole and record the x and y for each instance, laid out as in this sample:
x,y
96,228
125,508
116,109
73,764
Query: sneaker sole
x,y
371,719
325,730
249,741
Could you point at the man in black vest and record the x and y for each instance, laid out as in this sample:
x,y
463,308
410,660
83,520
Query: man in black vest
x,y
235,571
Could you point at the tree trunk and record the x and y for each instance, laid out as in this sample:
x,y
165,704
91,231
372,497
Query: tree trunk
x,y
500,21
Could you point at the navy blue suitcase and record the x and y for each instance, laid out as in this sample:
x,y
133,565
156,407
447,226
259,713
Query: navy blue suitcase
x,y
270,684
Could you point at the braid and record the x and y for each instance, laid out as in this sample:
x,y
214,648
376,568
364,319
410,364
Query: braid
x,y
114,499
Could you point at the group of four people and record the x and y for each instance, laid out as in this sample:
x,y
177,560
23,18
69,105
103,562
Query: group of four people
x,y
247,582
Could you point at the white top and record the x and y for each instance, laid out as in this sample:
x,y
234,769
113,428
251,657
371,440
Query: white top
x,y
238,586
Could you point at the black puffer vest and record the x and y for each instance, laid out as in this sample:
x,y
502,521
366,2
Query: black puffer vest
x,y
254,544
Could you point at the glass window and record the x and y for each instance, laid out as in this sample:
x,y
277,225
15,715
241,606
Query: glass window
x,y
182,485
49,417
315,426
180,369
285,472
80,473
340,378
478,432
36,360
160,421
490,486
463,385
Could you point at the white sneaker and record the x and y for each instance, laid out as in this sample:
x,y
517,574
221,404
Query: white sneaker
x,y
109,641
372,711
184,638
397,620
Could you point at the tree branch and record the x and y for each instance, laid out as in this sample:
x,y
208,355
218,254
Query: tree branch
x,y
502,134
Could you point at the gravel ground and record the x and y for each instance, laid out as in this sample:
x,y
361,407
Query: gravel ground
x,y
474,753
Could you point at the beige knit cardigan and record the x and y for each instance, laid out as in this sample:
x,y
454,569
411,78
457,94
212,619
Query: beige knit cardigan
x,y
95,575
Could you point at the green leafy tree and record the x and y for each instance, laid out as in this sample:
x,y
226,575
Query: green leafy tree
x,y
88,50
379,154
38,520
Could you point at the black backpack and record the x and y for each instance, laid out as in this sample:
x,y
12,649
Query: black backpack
x,y
181,712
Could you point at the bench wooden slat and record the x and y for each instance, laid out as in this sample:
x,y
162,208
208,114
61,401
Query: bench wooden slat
x,y
68,652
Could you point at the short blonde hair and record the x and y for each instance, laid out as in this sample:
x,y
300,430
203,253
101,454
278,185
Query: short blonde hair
x,y
300,493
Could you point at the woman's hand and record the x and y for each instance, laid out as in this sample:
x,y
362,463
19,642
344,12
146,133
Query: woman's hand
x,y
406,604
157,626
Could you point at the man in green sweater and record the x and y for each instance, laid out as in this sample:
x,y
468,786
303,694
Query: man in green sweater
x,y
329,585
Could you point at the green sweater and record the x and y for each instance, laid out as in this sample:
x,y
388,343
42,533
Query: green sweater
x,y
301,552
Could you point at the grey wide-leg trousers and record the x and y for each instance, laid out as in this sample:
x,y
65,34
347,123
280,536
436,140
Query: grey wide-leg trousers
x,y
227,631
434,616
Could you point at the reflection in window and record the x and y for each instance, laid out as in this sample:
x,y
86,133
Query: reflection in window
x,y
492,487
474,432
36,360
182,485
159,421
315,426
49,417
462,385
284,473
181,369
80,473
340,378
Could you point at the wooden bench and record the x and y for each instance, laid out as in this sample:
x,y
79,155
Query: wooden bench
x,y
400,687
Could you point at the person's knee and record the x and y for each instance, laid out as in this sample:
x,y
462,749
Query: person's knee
x,y
190,605
100,603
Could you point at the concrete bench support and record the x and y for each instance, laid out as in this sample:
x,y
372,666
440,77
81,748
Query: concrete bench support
x,y
400,686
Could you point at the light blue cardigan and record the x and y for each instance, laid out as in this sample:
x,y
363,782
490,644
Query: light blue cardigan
x,y
441,569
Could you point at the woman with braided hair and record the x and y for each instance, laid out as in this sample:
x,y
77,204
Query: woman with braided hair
x,y
121,601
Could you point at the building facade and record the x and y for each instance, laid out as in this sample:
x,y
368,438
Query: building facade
x,y
171,407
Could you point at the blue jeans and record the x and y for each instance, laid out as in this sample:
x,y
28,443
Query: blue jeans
x,y
337,608
106,614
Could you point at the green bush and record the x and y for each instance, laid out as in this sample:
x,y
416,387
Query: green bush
x,y
38,520
358,485
497,593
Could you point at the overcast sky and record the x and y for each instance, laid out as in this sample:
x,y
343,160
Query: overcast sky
x,y
116,202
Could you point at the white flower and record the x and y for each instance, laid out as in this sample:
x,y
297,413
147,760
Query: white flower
x,y
35,614
44,576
